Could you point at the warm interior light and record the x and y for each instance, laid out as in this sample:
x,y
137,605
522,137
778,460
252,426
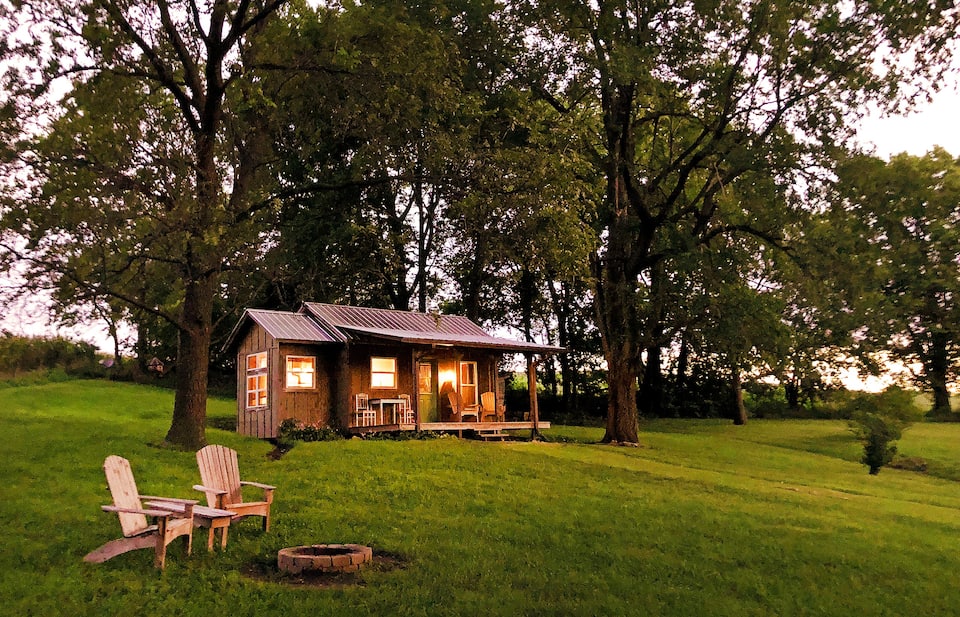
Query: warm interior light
x,y
448,376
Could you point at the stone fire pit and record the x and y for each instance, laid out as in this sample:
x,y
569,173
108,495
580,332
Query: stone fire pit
x,y
323,558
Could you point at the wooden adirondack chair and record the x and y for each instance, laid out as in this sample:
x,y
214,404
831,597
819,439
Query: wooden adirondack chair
x,y
220,475
137,533
488,408
460,410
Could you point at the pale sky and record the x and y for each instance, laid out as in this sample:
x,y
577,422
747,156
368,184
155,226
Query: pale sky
x,y
934,124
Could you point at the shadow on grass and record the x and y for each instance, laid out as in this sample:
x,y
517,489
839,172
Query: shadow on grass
x,y
224,423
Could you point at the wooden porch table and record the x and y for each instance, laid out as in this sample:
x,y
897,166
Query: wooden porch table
x,y
380,402
212,518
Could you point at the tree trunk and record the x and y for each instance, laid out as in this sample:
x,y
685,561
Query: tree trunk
x,y
937,366
740,411
791,390
188,428
651,390
619,333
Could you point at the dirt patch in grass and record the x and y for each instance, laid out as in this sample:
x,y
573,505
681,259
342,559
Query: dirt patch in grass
x,y
265,570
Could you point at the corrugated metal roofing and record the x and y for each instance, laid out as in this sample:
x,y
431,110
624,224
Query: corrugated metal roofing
x,y
386,319
440,338
414,327
329,323
286,326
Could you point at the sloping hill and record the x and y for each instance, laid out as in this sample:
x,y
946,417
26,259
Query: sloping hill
x,y
774,518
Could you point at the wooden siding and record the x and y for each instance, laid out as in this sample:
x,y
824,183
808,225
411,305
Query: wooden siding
x,y
360,370
313,405
259,422
341,373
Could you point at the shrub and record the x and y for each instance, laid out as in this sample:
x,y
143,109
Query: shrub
x,y
878,420
291,430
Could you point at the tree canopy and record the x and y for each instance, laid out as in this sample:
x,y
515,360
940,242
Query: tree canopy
x,y
566,168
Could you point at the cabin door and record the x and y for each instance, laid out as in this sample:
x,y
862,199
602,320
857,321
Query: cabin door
x,y
427,391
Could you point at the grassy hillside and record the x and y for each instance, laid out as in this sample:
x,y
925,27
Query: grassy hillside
x,y
774,518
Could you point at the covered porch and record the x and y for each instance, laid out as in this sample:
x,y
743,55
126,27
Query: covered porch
x,y
479,428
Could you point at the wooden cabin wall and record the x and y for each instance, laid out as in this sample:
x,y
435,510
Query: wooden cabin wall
x,y
360,370
257,422
312,406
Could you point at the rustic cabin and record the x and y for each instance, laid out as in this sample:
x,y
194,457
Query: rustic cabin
x,y
369,370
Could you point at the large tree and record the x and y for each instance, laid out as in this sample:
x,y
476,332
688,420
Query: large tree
x,y
902,222
701,100
134,155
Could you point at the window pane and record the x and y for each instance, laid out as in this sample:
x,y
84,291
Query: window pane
x,y
383,365
383,380
300,371
257,361
468,373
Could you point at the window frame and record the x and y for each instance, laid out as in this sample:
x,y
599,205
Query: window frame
x,y
374,385
287,372
475,385
259,373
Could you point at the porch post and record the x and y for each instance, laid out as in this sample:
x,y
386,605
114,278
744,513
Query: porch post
x,y
342,398
415,399
532,388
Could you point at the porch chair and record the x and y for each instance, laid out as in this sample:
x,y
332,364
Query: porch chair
x,y
137,533
362,412
220,474
489,409
461,411
404,410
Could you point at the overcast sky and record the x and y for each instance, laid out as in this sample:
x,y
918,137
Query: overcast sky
x,y
934,124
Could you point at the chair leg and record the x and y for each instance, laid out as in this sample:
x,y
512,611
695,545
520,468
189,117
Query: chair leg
x,y
160,552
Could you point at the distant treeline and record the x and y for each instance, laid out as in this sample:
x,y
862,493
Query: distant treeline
x,y
23,354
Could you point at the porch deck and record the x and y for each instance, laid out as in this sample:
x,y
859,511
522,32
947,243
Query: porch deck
x,y
451,427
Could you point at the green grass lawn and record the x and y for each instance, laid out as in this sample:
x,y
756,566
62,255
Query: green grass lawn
x,y
772,518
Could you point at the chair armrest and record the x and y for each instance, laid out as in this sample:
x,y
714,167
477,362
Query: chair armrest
x,y
265,487
207,489
156,513
192,502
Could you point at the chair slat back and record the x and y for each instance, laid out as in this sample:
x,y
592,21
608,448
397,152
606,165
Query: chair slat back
x,y
488,402
123,489
456,403
219,469
363,402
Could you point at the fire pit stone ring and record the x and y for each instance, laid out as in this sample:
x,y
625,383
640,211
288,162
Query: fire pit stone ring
x,y
323,558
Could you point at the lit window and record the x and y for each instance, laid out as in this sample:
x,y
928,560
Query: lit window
x,y
300,371
383,372
257,380
468,383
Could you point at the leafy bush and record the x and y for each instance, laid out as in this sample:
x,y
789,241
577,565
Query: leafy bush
x,y
291,430
878,420
45,358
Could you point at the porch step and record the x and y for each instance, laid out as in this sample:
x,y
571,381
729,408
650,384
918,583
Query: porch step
x,y
492,435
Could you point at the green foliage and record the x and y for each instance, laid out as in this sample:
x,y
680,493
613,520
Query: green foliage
x,y
291,430
19,354
899,238
879,420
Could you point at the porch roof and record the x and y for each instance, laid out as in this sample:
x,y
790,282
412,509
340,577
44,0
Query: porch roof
x,y
329,323
463,340
416,328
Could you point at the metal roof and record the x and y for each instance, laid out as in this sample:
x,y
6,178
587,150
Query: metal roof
x,y
462,340
415,327
330,323
285,326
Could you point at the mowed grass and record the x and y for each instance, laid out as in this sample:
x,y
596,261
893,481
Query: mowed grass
x,y
772,518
